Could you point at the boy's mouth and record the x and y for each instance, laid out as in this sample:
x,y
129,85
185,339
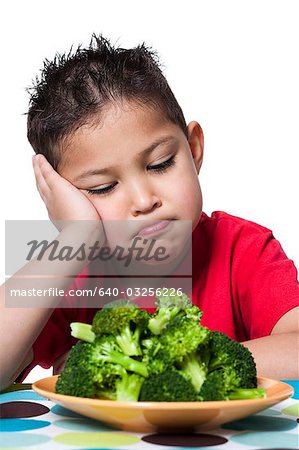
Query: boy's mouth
x,y
153,228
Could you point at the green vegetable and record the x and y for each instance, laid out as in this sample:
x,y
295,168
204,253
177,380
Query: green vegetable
x,y
82,331
180,337
127,354
125,321
226,352
195,366
88,364
168,307
168,386
230,372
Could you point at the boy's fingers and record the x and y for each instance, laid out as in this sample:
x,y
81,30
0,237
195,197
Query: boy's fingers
x,y
50,176
41,185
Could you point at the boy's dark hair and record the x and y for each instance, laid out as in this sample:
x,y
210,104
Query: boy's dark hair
x,y
74,87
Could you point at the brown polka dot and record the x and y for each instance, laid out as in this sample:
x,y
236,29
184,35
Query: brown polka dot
x,y
14,410
185,440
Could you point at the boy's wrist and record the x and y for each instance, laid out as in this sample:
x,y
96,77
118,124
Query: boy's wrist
x,y
86,232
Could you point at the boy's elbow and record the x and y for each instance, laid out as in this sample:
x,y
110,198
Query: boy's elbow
x,y
9,376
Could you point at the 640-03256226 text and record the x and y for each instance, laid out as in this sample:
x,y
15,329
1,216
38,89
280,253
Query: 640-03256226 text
x,y
110,292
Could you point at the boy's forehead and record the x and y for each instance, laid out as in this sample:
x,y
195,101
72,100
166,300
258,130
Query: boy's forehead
x,y
119,132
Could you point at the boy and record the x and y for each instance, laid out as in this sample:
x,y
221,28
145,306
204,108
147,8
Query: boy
x,y
112,144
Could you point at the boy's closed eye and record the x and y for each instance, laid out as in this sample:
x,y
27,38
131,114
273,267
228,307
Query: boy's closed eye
x,y
156,168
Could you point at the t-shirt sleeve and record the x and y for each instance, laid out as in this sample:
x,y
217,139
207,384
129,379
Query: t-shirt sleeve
x,y
266,284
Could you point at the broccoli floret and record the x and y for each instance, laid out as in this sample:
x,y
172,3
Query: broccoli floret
x,y
218,386
125,321
108,351
168,386
182,336
116,383
227,353
90,365
231,371
168,307
80,371
213,387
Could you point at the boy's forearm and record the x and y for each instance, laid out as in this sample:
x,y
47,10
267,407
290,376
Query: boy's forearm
x,y
21,325
276,356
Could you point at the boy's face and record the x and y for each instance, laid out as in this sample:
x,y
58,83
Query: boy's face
x,y
151,170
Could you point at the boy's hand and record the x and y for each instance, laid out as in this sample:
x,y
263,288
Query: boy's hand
x,y
64,201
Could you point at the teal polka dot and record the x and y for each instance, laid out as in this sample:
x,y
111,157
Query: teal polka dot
x,y
20,395
261,423
10,440
61,411
266,439
22,424
269,412
81,425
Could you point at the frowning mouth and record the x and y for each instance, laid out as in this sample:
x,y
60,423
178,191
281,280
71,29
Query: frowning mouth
x,y
154,229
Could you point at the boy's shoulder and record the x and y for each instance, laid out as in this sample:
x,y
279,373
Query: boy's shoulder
x,y
223,221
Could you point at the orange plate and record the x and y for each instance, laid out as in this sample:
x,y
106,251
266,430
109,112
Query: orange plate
x,y
166,416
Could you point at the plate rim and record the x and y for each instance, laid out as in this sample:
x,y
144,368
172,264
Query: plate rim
x,y
287,392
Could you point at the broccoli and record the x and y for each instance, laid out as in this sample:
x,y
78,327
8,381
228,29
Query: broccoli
x,y
181,336
128,387
124,320
117,383
195,366
246,394
108,351
168,386
80,372
82,331
226,352
219,386
221,369
213,387
128,354
168,307
231,371
90,364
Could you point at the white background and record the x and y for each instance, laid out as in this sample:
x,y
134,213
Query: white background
x,y
233,66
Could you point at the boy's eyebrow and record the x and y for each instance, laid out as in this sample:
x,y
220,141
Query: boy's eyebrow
x,y
145,152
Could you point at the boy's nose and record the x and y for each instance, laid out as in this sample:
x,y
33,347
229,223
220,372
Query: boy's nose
x,y
144,200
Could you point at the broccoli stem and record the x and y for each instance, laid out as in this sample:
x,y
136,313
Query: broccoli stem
x,y
129,342
240,394
128,387
105,394
195,369
82,331
157,323
129,363
123,360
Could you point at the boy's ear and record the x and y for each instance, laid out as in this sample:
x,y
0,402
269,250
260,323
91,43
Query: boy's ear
x,y
196,143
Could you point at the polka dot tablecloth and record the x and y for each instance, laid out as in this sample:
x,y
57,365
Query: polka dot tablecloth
x,y
35,423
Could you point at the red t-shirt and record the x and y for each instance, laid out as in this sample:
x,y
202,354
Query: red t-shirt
x,y
241,279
